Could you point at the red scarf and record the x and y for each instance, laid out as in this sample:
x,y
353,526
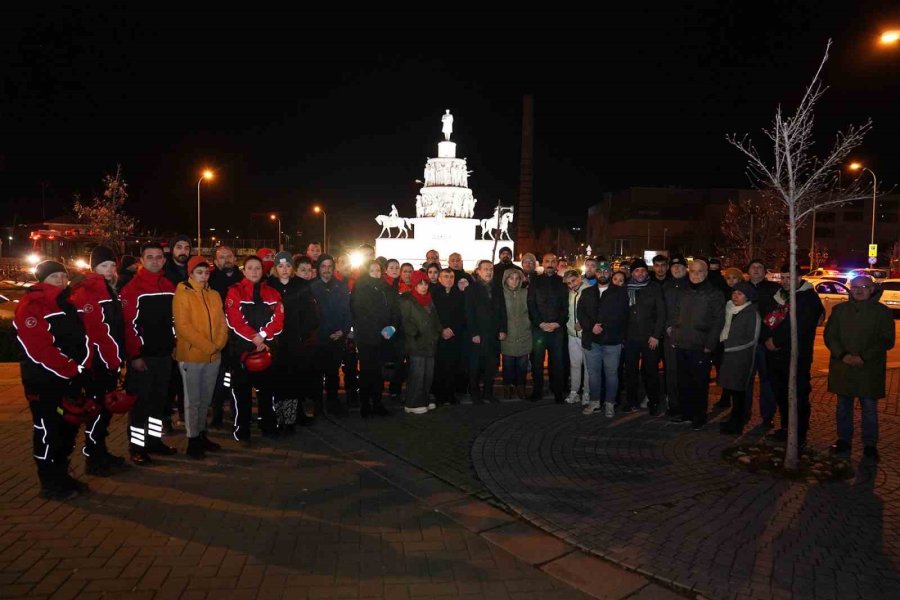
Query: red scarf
x,y
423,299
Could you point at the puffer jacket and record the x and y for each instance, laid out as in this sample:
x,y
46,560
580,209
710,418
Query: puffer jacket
x,y
701,317
147,308
518,325
421,327
199,323
250,310
101,314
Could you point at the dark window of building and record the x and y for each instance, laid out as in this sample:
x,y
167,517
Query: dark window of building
x,y
825,217
853,215
824,232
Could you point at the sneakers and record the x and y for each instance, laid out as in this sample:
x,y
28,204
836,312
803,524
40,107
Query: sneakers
x,y
591,408
585,399
645,403
609,410
418,410
572,398
432,406
871,452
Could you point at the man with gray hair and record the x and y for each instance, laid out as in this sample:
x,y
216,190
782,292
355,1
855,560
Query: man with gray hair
x,y
858,335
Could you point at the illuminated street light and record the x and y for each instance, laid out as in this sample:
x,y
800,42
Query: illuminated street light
x,y
889,38
855,166
274,217
208,175
318,209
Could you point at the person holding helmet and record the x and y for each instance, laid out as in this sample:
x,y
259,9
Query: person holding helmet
x,y
255,316
101,315
56,358
201,333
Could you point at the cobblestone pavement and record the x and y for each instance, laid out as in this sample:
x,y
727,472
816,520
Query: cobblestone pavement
x,y
294,518
658,499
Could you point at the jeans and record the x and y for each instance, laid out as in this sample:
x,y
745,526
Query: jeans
x,y
515,369
603,362
767,404
576,361
199,385
869,420
693,383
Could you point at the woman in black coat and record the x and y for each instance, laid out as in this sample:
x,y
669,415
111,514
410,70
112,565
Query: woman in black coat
x,y
373,305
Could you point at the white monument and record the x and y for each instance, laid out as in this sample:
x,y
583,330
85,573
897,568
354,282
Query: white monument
x,y
445,211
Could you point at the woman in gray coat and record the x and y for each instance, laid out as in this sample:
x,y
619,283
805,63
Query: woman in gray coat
x,y
739,337
517,345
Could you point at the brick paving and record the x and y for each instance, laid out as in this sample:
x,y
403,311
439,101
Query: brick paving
x,y
295,518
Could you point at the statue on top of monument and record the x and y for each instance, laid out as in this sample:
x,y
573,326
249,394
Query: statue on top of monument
x,y
394,213
447,128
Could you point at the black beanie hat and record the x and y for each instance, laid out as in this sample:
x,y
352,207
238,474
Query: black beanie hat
x,y
48,268
747,289
180,238
100,255
638,263
323,258
504,249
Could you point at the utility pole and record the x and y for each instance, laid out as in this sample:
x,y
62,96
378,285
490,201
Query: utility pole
x,y
751,238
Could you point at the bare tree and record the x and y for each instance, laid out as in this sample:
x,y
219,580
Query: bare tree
x,y
803,182
105,213
753,227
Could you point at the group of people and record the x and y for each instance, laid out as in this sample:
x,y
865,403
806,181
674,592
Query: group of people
x,y
195,334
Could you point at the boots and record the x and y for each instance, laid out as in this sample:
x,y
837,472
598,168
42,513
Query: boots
x,y
207,444
195,448
66,481
378,408
52,489
96,465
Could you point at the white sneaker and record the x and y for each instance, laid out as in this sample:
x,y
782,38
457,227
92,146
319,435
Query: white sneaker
x,y
609,409
573,398
591,408
585,399
419,410
645,403
432,406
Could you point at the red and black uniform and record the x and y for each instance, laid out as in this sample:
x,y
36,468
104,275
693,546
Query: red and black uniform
x,y
101,315
149,335
56,355
251,310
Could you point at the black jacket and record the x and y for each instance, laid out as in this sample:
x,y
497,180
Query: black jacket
x,y
460,274
609,309
548,300
175,272
765,292
220,281
700,318
647,315
499,269
673,292
301,314
373,305
809,311
451,309
485,315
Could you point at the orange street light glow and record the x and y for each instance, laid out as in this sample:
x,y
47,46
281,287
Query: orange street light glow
x,y
317,209
273,217
207,174
890,37
855,166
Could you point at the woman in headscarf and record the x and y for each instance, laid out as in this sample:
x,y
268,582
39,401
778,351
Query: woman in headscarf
x,y
422,328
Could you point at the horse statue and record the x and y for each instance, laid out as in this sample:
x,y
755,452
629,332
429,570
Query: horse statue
x,y
488,225
388,222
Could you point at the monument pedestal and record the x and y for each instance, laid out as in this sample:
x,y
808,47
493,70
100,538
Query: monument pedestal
x,y
446,235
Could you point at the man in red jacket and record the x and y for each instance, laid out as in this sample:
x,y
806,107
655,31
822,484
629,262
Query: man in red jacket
x,y
55,360
101,314
149,341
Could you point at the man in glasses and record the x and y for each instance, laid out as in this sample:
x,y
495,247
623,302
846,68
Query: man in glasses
x,y
858,335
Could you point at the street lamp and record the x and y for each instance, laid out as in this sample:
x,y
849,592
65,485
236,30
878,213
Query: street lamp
x,y
318,209
208,175
858,167
889,38
275,217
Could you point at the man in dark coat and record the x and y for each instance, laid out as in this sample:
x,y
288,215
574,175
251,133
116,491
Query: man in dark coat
x,y
485,328
776,335
646,322
673,292
695,335
859,334
333,299
451,310
224,276
501,267
765,292
548,300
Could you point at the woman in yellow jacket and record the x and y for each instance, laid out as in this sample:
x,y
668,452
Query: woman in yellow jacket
x,y
202,333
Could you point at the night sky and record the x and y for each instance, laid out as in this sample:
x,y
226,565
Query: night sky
x,y
343,108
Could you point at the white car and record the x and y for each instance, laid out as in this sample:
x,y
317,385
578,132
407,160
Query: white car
x,y
890,294
831,293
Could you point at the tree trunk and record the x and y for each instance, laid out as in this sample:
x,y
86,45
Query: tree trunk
x,y
792,458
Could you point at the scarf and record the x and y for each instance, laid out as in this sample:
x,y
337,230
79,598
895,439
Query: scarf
x,y
633,287
782,295
423,299
730,311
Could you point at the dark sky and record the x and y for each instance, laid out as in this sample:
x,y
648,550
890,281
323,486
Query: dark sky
x,y
344,107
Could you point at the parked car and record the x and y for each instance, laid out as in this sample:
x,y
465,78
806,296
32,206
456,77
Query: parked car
x,y
878,275
821,273
890,294
831,293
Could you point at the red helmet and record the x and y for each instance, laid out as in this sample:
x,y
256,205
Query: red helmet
x,y
256,362
80,410
119,402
